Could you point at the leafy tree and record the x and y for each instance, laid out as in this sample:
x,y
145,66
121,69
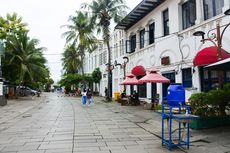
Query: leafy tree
x,y
24,59
80,33
71,59
103,11
69,80
11,25
96,75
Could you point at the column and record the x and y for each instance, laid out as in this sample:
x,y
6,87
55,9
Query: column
x,y
199,11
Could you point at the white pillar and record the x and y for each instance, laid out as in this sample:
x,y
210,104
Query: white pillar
x,y
199,11
149,90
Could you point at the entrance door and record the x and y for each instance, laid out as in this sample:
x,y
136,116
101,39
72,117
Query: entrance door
x,y
154,91
171,77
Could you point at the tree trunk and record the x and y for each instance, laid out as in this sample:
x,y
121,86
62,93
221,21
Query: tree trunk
x,y
109,67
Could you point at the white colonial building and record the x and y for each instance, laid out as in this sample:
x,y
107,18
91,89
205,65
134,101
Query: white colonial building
x,y
159,33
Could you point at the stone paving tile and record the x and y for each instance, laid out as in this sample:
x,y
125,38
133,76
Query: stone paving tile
x,y
89,144
48,127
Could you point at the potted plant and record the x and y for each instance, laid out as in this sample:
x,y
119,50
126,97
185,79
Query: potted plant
x,y
212,107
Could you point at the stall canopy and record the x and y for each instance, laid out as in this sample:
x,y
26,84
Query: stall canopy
x,y
209,55
154,77
138,70
221,65
130,80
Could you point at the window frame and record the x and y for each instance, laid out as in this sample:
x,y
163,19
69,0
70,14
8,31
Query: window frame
x,y
133,40
213,8
142,38
188,18
152,33
165,14
187,81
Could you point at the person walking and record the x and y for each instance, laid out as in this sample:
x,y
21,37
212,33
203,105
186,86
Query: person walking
x,y
84,97
89,96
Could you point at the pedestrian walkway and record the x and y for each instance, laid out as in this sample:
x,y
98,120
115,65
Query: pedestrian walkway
x,y
56,124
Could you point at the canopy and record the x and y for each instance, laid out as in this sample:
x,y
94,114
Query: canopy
x,y
155,77
221,65
138,70
130,80
209,55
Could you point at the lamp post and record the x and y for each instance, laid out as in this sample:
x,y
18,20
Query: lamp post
x,y
216,39
123,66
2,96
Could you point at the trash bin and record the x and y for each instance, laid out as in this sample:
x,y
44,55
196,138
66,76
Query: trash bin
x,y
117,96
176,95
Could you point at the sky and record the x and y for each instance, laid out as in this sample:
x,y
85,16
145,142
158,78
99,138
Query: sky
x,y
44,19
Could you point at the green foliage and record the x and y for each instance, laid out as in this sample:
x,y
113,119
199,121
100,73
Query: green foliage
x,y
213,103
11,25
200,105
80,35
71,59
96,75
24,62
70,79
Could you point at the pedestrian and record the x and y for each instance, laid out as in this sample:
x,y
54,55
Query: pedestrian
x,y
106,91
89,96
83,97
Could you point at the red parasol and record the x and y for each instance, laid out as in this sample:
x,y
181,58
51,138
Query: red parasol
x,y
130,80
155,77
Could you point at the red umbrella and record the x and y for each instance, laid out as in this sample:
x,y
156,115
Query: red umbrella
x,y
155,77
130,80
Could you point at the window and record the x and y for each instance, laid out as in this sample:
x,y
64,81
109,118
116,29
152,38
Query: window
x,y
189,13
133,43
151,33
212,8
187,77
166,22
100,59
142,38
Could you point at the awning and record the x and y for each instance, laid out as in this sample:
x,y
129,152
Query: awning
x,y
138,70
209,55
221,65
154,77
130,80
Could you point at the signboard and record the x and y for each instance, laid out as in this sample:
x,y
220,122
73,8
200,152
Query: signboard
x,y
165,60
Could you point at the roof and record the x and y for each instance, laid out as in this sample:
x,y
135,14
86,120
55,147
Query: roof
x,y
140,11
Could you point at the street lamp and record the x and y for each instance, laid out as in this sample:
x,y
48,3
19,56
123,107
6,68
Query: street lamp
x,y
216,39
123,66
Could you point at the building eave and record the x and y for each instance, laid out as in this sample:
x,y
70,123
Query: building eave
x,y
140,11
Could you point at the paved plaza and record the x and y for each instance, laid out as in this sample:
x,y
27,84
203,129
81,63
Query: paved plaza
x,y
53,123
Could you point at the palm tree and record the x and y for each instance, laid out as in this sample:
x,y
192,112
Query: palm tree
x,y
71,59
11,24
103,11
80,32
25,58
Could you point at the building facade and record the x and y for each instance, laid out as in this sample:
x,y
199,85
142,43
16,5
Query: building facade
x,y
160,34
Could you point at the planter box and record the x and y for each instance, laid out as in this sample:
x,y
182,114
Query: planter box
x,y
209,122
